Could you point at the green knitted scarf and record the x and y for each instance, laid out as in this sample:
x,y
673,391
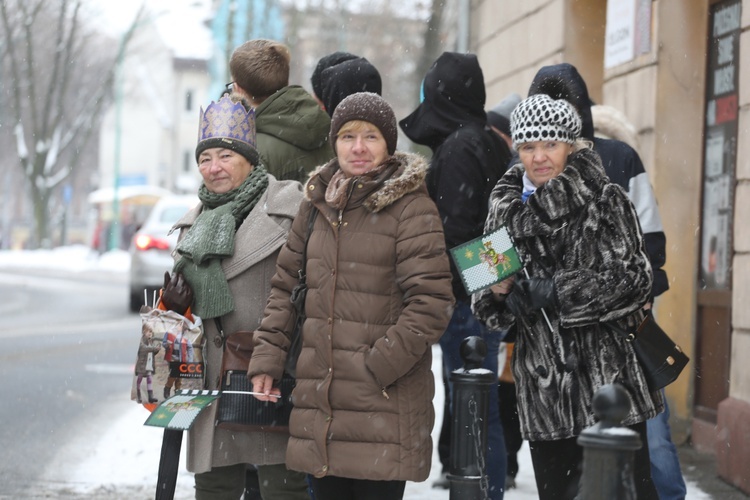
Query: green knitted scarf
x,y
211,239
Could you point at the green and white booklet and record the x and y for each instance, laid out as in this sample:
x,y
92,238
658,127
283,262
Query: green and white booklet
x,y
486,260
180,411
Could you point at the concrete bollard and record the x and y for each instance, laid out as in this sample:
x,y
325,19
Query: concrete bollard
x,y
470,408
609,449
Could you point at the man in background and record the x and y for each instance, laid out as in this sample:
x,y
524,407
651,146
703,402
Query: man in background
x,y
292,130
468,159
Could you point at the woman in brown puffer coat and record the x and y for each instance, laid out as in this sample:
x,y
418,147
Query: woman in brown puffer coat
x,y
379,297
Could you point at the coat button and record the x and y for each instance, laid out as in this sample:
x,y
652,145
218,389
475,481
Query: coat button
x,y
330,321
311,187
360,185
325,468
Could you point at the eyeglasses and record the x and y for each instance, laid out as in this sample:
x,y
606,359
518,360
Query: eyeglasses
x,y
229,86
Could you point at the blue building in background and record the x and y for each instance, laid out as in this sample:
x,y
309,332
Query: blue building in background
x,y
235,22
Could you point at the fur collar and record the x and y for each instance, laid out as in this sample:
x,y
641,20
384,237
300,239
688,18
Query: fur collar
x,y
580,183
404,173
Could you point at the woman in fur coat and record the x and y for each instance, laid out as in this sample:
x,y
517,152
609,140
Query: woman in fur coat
x,y
379,295
583,250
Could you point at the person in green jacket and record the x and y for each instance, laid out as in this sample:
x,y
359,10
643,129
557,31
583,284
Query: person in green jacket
x,y
292,130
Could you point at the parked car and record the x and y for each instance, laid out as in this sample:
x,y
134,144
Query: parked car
x,y
151,248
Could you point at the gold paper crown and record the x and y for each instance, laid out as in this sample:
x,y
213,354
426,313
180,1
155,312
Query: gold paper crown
x,y
227,124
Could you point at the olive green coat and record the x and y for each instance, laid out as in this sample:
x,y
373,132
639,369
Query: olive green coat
x,y
292,134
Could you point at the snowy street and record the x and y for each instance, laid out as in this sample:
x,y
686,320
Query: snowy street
x,y
110,453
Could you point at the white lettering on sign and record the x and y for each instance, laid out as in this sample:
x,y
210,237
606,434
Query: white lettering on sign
x,y
727,19
726,50
619,34
724,80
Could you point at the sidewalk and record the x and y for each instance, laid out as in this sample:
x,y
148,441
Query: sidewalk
x,y
700,469
126,446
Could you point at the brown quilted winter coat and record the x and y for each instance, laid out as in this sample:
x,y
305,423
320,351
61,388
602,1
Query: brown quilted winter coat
x,y
379,297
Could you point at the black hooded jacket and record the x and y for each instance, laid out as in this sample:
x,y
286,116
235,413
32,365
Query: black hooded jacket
x,y
468,158
621,162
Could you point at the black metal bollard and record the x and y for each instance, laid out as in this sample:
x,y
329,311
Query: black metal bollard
x,y
470,408
609,449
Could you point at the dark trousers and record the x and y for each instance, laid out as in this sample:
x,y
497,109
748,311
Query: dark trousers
x,y
228,483
444,441
511,424
342,488
558,466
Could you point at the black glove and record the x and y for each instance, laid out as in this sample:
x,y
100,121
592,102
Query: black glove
x,y
529,295
540,291
176,295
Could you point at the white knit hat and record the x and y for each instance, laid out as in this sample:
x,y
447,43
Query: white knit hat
x,y
541,118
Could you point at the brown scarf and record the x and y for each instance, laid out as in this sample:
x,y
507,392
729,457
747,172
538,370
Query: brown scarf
x,y
338,190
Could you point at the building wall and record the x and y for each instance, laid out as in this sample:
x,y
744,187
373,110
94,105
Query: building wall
x,y
740,379
156,127
663,93
314,33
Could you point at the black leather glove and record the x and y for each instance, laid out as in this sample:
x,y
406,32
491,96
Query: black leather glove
x,y
540,291
176,295
529,295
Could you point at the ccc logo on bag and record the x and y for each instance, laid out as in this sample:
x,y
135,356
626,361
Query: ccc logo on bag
x,y
191,370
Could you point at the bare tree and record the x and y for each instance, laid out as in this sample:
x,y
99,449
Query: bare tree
x,y
433,34
59,80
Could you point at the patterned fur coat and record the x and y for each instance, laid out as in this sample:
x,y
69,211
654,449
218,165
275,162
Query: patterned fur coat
x,y
582,231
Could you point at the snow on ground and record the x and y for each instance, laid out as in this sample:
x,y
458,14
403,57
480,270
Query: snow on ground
x,y
71,259
116,456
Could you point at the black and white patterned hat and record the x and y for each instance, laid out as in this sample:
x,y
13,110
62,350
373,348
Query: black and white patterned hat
x,y
541,118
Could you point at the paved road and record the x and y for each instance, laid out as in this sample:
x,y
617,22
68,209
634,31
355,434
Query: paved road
x,y
68,346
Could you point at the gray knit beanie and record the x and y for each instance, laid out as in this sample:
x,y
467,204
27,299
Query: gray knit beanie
x,y
541,118
369,107
499,116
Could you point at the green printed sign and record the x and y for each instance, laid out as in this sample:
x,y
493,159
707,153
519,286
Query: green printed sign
x,y
486,260
180,411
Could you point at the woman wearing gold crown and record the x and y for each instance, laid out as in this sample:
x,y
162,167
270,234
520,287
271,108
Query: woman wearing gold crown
x,y
227,253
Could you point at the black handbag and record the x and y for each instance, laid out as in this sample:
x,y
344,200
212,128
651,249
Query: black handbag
x,y
660,358
297,297
240,410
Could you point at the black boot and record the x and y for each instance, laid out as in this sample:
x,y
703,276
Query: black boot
x,y
138,395
166,392
151,398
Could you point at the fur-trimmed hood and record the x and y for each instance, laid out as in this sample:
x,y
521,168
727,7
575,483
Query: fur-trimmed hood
x,y
611,123
403,173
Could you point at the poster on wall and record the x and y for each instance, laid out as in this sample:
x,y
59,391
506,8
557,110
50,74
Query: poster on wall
x,y
720,147
628,31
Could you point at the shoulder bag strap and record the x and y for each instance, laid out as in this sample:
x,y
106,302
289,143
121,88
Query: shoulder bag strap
x,y
310,224
297,296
